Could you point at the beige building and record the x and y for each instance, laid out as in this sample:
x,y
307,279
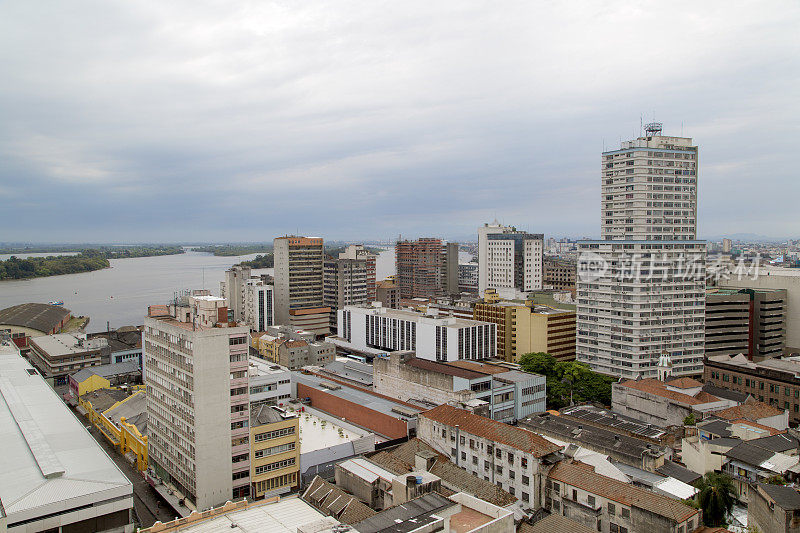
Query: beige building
x,y
387,294
275,451
298,275
294,349
525,327
509,261
57,356
349,280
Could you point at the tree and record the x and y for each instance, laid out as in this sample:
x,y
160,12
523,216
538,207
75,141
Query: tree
x,y
690,420
538,363
716,495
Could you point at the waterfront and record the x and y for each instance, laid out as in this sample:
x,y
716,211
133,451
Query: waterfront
x,y
121,294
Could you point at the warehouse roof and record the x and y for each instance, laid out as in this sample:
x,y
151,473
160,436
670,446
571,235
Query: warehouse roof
x,y
41,317
50,463
107,371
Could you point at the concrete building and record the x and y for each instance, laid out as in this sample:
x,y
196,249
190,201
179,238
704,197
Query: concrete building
x,y
511,457
641,289
747,321
55,475
293,348
774,508
773,381
726,246
275,448
270,384
259,304
349,280
526,327
468,277
299,265
387,293
607,505
665,404
367,481
233,290
198,399
426,268
757,461
503,394
380,330
559,275
509,261
32,320
57,356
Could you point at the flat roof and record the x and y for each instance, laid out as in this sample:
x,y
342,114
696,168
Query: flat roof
x,y
41,317
261,367
50,463
366,470
318,432
406,314
67,344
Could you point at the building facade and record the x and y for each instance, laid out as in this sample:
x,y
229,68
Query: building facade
x,y
349,280
426,268
259,305
641,289
387,294
275,438
509,261
57,356
233,290
197,399
432,337
299,265
559,275
468,277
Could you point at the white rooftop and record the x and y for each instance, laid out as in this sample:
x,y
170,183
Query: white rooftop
x,y
262,367
367,470
50,463
67,343
317,433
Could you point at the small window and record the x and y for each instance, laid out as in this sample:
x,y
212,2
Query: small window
x,y
612,510
590,500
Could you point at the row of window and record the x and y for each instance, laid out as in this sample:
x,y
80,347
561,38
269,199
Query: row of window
x,y
277,465
274,434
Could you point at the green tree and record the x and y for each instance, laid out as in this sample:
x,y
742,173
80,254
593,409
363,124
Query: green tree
x,y
716,496
538,363
690,420
777,479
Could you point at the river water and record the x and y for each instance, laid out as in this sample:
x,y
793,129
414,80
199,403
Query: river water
x,y
121,294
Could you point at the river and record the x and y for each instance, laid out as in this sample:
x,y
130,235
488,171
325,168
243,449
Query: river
x,y
121,294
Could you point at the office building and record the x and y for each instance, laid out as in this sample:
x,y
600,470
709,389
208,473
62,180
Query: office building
x,y
495,391
349,280
559,275
527,328
426,268
387,294
746,321
57,356
198,404
299,265
641,289
275,463
509,261
233,290
270,384
376,330
55,476
468,277
511,457
259,304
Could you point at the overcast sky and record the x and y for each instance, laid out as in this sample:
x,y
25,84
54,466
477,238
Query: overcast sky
x,y
238,121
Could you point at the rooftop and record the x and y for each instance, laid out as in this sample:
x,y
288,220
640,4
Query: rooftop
x,y
317,433
659,388
366,470
583,476
521,439
103,399
405,314
406,517
68,344
133,410
268,414
50,463
41,317
679,472
785,496
604,417
106,371
335,502
554,524
752,411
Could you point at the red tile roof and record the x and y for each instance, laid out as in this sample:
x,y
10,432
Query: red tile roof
x,y
684,383
583,476
659,388
752,411
516,437
442,368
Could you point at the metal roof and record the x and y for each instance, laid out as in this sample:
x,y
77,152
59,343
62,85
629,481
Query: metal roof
x,y
111,370
406,517
50,463
41,317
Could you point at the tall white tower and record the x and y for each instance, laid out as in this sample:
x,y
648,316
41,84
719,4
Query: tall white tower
x,y
641,289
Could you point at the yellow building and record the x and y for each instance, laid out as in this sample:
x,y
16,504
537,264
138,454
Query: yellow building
x,y
268,347
525,327
274,451
116,415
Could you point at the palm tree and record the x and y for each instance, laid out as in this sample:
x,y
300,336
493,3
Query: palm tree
x,y
716,497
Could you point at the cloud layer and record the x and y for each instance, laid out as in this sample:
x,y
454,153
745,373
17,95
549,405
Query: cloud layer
x,y
242,120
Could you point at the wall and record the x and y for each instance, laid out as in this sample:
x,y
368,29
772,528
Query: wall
x,y
768,520
394,378
380,423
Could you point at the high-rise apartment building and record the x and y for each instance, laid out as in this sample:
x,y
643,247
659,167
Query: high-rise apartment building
x,y
426,268
232,289
468,277
259,304
299,264
349,280
641,289
509,261
198,399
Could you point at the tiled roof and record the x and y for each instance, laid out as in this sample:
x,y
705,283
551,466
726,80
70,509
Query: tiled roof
x,y
583,476
786,497
296,344
684,383
752,411
335,502
441,368
521,439
475,366
658,388
679,472
390,463
554,523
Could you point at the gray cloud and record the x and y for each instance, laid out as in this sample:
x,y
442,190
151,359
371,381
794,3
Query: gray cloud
x,y
239,121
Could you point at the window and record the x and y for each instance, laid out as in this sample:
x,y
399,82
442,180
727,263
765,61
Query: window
x,y
474,460
556,488
274,434
512,474
499,469
510,458
626,513
590,500
614,528
525,497
524,462
525,480
489,449
498,453
463,456
612,510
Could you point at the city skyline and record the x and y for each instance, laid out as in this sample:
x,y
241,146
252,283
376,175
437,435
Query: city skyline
x,y
236,119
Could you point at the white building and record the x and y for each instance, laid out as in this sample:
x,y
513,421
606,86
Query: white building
x,y
54,474
641,290
439,338
232,289
198,399
270,384
509,261
259,305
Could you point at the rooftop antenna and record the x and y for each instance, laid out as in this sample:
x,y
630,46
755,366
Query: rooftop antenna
x,y
641,124
654,128
681,128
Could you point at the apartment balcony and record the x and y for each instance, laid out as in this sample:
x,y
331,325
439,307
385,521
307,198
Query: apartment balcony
x,y
241,448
